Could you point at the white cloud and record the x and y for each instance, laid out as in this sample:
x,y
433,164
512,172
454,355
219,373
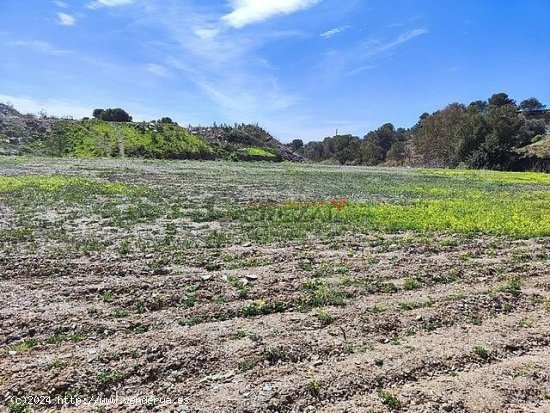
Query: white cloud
x,y
246,12
96,4
207,34
157,69
61,4
333,32
66,19
342,62
53,107
39,46
404,38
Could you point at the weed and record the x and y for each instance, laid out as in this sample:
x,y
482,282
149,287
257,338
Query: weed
x,y
108,378
378,286
254,337
189,301
412,284
324,317
238,335
19,407
476,321
512,285
407,305
261,307
389,399
140,329
107,296
247,365
481,352
120,313
275,355
140,307
320,295
348,348
26,345
56,364
314,388
189,322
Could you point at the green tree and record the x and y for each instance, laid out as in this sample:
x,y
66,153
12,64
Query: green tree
x,y
397,152
440,135
501,99
297,144
531,104
372,153
97,113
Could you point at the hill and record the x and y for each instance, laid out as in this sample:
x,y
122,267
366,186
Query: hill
x,y
496,133
245,142
163,139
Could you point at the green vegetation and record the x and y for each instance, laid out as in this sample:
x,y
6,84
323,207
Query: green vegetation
x,y
247,365
314,388
389,399
493,134
261,307
259,152
412,284
108,378
481,352
453,201
189,322
19,408
97,138
324,317
112,134
512,285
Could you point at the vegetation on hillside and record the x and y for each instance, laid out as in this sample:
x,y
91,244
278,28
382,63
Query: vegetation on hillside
x,y
96,138
244,142
112,134
483,134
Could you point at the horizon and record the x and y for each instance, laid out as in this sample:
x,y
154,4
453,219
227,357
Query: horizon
x,y
300,68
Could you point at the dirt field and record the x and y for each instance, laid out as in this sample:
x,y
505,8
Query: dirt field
x,y
146,286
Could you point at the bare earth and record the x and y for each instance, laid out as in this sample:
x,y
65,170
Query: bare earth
x,y
422,346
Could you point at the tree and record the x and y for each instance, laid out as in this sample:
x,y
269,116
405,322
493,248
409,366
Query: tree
x,y
506,130
112,115
501,99
373,154
166,120
479,105
397,152
439,136
297,144
531,104
97,113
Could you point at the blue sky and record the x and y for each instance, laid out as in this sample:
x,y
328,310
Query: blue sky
x,y
300,68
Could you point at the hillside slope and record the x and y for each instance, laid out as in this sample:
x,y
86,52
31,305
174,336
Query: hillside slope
x,y
21,134
95,138
245,142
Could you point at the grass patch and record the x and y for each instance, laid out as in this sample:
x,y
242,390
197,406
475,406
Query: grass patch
x,y
389,400
491,208
262,307
481,352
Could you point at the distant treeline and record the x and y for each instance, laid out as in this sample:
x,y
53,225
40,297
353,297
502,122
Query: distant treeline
x,y
482,134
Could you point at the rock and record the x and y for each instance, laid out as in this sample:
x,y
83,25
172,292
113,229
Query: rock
x,y
219,377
